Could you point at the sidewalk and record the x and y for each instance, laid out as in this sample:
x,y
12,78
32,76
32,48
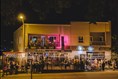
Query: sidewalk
x,y
72,75
111,70
62,71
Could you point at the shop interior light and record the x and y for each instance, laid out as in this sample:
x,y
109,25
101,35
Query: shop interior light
x,y
23,55
90,48
80,48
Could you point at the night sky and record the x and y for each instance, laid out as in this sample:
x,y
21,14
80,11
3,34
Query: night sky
x,y
56,12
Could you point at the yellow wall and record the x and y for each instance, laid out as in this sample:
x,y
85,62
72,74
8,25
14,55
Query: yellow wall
x,y
41,29
79,29
18,40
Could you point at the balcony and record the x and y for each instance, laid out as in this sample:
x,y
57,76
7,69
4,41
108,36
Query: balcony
x,y
97,42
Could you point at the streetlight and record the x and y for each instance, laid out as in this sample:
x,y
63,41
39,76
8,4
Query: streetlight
x,y
30,58
22,18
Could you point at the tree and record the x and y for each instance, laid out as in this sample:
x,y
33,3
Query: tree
x,y
114,47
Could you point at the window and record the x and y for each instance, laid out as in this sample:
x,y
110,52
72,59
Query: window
x,y
43,40
34,39
80,39
52,39
101,38
91,38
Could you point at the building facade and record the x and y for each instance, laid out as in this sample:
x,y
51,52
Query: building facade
x,y
84,39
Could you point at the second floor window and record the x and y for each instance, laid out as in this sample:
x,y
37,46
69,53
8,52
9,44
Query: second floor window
x,y
101,38
91,38
80,39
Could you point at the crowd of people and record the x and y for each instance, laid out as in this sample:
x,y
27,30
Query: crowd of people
x,y
10,68
73,64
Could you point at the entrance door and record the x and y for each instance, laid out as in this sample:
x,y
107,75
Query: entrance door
x,y
62,42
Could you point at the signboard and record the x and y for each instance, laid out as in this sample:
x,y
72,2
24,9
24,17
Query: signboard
x,y
96,55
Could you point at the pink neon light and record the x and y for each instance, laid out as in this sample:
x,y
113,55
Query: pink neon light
x,y
58,39
54,40
66,40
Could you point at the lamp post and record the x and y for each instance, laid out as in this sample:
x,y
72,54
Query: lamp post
x,y
30,59
22,18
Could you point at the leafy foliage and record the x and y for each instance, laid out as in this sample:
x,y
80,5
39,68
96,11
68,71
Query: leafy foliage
x,y
115,44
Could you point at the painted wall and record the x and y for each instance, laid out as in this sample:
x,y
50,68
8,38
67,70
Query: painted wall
x,y
18,40
100,27
79,29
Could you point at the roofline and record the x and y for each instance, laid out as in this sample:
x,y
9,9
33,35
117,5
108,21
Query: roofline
x,y
44,24
89,22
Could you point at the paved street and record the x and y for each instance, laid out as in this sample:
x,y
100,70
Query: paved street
x,y
69,75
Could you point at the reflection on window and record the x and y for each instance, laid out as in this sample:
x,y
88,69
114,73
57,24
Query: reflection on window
x,y
34,39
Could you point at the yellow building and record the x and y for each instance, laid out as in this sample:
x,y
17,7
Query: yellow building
x,y
85,39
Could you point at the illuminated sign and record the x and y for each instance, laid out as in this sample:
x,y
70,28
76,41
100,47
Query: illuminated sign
x,y
80,48
90,49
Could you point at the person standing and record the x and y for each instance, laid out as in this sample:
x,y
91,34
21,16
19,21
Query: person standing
x,y
117,63
42,65
4,70
113,64
82,65
103,65
100,65
16,68
8,68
